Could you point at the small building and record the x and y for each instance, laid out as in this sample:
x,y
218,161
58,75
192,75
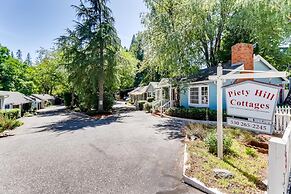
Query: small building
x,y
199,91
139,93
45,99
143,92
36,103
151,89
166,94
15,100
2,98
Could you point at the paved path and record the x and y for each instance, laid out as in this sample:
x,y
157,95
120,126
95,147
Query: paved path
x,y
62,152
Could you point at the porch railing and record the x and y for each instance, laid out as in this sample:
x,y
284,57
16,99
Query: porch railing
x,y
165,106
282,118
162,105
156,105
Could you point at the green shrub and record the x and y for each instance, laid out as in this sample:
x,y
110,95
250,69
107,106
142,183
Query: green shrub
x,y
251,152
147,107
67,99
141,104
10,114
28,114
108,101
150,99
211,143
8,124
194,113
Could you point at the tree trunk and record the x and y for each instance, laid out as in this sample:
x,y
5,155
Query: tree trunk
x,y
73,99
101,92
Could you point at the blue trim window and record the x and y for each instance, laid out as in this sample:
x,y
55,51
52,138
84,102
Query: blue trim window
x,y
198,96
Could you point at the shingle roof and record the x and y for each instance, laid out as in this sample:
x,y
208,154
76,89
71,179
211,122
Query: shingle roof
x,y
14,98
139,90
44,97
34,99
203,74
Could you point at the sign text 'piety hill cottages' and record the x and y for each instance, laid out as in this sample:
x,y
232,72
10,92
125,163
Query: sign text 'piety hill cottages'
x,y
251,100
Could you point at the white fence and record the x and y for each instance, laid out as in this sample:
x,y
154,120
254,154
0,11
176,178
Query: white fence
x,y
282,118
279,163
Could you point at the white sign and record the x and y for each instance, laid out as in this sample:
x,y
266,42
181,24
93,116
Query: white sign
x,y
253,126
252,99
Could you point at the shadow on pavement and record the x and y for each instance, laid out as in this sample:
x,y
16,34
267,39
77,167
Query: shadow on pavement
x,y
75,121
171,128
54,112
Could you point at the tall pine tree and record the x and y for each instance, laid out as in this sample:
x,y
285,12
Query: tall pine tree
x,y
19,55
91,47
28,60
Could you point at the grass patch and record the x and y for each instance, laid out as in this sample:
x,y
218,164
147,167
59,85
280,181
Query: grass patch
x,y
248,166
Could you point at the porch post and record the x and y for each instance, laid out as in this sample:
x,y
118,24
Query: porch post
x,y
219,112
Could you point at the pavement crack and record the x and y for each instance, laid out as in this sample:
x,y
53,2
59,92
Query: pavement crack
x,y
99,150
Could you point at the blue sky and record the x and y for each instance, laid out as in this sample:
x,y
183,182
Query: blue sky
x,y
30,24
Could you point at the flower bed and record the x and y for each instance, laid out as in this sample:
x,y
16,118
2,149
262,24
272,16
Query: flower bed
x,y
247,166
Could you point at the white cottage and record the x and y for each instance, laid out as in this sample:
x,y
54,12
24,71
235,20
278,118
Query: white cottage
x,y
13,100
151,89
45,99
166,94
138,94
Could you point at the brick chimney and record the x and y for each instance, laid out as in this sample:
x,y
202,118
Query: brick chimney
x,y
243,53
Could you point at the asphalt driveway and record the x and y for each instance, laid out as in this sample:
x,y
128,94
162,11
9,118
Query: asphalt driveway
x,y
62,152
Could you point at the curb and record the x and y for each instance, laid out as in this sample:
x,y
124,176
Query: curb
x,y
193,181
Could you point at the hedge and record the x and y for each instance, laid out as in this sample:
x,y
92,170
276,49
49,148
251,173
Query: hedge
x,y
147,107
10,114
194,113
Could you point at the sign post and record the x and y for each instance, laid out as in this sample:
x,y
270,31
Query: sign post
x,y
219,112
263,127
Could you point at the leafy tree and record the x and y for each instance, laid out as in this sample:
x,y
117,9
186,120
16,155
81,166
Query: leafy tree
x,y
42,54
127,66
48,74
19,55
260,23
4,54
144,73
136,46
182,35
90,52
13,76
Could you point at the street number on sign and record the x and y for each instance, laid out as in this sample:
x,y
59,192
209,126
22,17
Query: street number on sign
x,y
253,126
